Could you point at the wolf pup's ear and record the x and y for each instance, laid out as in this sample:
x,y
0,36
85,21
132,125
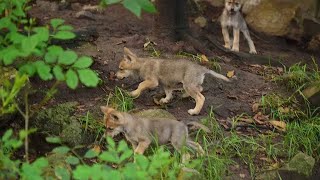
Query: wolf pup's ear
x,y
129,55
103,109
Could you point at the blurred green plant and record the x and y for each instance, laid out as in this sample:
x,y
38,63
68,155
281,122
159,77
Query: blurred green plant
x,y
134,6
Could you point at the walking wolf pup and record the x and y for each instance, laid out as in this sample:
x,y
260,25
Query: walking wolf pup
x,y
141,131
169,73
232,17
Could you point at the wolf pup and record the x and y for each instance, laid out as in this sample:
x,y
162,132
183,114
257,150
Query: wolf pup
x,y
232,17
141,131
170,73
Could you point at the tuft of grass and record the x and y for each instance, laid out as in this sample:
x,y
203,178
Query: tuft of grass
x,y
299,75
281,107
120,100
303,136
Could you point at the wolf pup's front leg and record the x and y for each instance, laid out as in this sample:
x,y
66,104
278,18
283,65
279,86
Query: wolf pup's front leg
x,y
147,84
250,42
236,39
226,37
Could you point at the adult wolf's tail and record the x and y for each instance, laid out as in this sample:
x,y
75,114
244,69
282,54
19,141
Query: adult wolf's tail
x,y
217,75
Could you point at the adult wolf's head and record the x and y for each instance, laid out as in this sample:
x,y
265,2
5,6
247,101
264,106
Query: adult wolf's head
x,y
232,6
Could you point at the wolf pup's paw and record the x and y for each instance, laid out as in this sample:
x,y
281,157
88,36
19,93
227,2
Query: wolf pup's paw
x,y
227,46
134,93
193,112
253,51
235,49
163,101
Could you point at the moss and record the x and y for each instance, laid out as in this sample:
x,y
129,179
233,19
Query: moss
x,y
53,120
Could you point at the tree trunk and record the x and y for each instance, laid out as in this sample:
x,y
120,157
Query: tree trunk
x,y
170,21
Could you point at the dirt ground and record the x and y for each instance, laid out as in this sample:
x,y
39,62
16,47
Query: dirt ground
x,y
104,36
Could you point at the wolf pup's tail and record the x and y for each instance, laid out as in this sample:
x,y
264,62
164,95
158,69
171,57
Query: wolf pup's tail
x,y
195,146
217,75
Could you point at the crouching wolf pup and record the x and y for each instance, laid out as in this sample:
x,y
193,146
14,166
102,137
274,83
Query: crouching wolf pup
x,y
141,131
232,17
169,73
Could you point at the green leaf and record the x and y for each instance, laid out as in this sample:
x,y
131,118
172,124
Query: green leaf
x,y
61,150
58,73
67,57
22,134
9,55
142,161
62,173
111,142
132,6
83,62
125,155
54,140
109,2
72,160
122,146
108,156
43,70
28,68
33,171
28,45
16,37
7,135
65,28
56,22
88,77
42,33
53,54
64,35
91,154
72,79
147,6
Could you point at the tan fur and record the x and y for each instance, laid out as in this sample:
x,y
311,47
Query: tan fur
x,y
232,17
169,73
141,131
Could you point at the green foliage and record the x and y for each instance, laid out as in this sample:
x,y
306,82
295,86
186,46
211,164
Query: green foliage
x,y
12,169
9,92
118,162
134,6
30,51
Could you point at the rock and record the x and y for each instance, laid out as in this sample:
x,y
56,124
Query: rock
x,y
60,121
272,17
249,5
281,17
47,5
300,163
269,175
201,21
76,6
154,113
85,15
215,3
314,44
299,168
